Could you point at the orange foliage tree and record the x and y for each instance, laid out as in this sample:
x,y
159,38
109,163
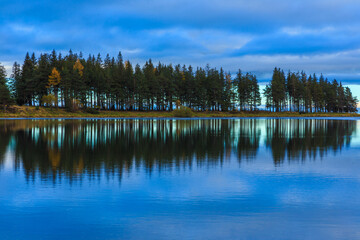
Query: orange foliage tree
x,y
54,81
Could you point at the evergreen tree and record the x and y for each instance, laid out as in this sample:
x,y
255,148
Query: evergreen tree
x,y
5,97
113,84
141,89
41,77
255,97
16,81
26,86
278,89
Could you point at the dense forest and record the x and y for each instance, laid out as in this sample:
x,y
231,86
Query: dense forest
x,y
74,82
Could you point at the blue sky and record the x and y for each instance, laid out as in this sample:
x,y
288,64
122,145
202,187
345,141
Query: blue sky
x,y
319,36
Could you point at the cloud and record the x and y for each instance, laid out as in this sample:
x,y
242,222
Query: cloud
x,y
300,44
316,36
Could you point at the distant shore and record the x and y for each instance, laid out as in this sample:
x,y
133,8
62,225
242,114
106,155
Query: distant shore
x,y
42,112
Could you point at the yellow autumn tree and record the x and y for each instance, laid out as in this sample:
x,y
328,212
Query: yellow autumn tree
x,y
79,67
54,78
53,82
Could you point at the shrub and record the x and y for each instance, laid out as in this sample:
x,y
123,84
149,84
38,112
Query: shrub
x,y
49,100
183,112
72,105
76,104
5,98
178,103
92,111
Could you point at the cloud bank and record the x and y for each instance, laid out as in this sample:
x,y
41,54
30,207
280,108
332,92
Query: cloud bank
x,y
316,36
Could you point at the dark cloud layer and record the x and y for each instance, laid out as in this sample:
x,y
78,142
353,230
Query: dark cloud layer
x,y
316,36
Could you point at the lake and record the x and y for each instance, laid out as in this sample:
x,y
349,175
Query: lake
x,y
180,179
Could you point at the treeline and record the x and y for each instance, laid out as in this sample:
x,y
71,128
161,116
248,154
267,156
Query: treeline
x,y
302,93
74,82
114,84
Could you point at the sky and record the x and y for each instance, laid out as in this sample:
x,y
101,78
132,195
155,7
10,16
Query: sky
x,y
317,36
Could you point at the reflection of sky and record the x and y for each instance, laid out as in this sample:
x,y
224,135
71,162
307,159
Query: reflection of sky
x,y
253,199
355,139
311,199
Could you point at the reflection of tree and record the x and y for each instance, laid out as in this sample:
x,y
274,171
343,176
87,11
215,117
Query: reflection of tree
x,y
73,148
70,147
298,139
249,139
5,136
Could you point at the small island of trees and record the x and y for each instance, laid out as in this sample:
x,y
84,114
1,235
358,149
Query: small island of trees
x,y
73,82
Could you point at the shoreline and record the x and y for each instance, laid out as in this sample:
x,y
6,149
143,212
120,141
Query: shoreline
x,y
42,112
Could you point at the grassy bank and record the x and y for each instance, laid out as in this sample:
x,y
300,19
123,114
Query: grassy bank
x,y
33,112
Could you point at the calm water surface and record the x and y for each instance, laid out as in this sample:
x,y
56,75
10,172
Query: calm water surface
x,y
180,179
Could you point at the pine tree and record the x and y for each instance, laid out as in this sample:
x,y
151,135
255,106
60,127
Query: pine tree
x,y
78,86
255,97
227,97
149,73
5,97
111,84
16,80
130,85
26,87
2,75
41,77
140,87
278,89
